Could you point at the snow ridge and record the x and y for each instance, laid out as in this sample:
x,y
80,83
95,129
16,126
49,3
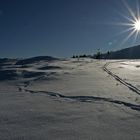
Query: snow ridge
x,y
87,99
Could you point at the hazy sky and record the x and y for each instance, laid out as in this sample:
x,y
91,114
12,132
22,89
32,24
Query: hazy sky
x,y
62,27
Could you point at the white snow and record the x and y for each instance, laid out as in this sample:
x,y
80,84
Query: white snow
x,y
73,99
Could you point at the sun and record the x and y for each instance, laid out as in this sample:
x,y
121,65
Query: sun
x,y
137,25
132,24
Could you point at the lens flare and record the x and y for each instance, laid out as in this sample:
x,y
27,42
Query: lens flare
x,y
133,22
137,25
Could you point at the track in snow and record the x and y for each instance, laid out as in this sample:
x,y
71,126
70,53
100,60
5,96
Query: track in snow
x,y
130,86
87,99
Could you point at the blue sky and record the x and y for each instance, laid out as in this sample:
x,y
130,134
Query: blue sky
x,y
62,27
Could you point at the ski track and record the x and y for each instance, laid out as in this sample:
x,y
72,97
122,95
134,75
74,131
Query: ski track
x,y
130,86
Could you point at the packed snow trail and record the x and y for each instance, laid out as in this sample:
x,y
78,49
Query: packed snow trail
x,y
130,86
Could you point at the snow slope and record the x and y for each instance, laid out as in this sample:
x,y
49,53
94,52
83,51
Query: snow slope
x,y
70,100
126,53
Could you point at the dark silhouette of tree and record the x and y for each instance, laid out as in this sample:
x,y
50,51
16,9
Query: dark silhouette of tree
x,y
98,55
73,56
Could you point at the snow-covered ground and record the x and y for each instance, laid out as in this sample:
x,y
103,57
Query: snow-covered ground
x,y
70,99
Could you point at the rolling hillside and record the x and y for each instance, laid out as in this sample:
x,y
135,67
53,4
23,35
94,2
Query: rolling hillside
x,y
127,53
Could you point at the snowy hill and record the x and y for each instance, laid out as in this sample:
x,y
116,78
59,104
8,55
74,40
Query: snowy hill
x,y
35,59
127,53
76,99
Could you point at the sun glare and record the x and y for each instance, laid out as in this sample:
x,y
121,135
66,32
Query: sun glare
x,y
132,21
137,25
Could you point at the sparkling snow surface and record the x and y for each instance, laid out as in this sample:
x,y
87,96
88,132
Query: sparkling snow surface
x,y
70,99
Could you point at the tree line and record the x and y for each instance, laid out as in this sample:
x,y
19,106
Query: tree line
x,y
97,55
